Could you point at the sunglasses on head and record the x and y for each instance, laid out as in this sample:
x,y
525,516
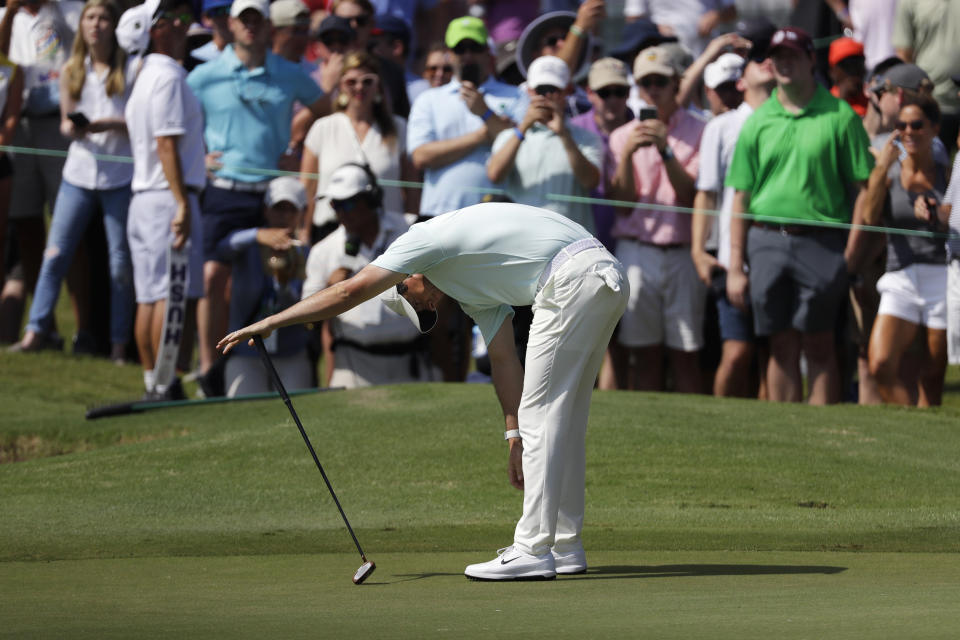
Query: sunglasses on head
x,y
366,81
468,46
547,89
616,92
433,68
915,125
654,81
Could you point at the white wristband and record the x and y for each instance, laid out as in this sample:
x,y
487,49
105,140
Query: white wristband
x,y
512,433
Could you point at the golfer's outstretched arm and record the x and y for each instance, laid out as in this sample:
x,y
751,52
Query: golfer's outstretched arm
x,y
331,302
507,373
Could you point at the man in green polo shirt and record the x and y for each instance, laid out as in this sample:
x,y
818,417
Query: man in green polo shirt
x,y
795,162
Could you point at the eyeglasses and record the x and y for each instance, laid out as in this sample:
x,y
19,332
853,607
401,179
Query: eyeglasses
x,y
654,80
915,125
546,89
433,68
616,92
218,12
344,206
185,18
468,46
366,81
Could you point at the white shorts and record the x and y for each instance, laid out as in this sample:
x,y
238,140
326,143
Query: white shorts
x,y
667,299
149,236
953,311
245,375
917,294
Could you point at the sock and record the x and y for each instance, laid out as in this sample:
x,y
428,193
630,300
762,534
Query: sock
x,y
148,379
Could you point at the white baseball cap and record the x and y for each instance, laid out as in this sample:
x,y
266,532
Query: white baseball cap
x,y
239,6
548,71
424,321
286,189
133,28
726,68
289,13
346,182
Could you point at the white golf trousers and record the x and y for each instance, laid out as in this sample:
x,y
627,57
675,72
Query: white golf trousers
x,y
574,315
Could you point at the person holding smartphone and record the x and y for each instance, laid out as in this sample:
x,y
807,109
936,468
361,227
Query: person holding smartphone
x,y
95,83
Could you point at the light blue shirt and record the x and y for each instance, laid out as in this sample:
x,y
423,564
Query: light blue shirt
x,y
542,169
440,114
487,257
248,112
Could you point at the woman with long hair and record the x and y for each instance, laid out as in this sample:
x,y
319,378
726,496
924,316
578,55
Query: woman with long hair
x,y
904,190
93,93
362,129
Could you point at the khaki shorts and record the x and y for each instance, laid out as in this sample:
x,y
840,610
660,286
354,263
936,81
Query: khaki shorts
x,y
667,299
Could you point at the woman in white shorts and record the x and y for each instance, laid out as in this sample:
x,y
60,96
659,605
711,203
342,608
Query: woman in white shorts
x,y
904,189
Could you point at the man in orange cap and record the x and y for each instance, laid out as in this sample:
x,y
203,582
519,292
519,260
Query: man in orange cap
x,y
847,71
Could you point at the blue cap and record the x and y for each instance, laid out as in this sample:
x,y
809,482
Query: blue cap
x,y
215,4
638,35
393,25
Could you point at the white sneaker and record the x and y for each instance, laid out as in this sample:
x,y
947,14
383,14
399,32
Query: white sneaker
x,y
513,564
570,562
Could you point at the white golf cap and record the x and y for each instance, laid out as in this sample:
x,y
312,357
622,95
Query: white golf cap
x,y
346,182
548,71
423,321
133,28
726,68
239,6
289,13
286,189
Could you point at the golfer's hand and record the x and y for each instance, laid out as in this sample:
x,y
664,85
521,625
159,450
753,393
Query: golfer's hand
x,y
737,285
180,226
231,340
515,463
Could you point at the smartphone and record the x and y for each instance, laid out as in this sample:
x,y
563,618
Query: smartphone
x,y
647,113
470,73
79,120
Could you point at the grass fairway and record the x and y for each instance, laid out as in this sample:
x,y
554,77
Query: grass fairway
x,y
705,518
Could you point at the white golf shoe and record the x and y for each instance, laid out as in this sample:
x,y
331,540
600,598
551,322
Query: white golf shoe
x,y
570,562
513,564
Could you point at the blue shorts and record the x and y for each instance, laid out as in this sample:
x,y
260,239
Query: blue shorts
x,y
223,211
734,324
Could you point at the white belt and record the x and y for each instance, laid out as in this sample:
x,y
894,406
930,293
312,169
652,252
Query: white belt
x,y
236,185
565,254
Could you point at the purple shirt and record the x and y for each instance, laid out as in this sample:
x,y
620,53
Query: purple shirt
x,y
603,214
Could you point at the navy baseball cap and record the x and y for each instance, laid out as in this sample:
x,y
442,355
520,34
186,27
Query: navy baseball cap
x,y
209,5
636,36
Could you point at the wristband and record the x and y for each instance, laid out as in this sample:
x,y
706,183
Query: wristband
x,y
577,31
518,133
667,154
486,114
512,433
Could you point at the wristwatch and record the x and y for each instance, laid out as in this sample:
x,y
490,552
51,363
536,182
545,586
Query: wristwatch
x,y
667,154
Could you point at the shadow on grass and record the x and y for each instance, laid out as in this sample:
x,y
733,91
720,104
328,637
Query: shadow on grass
x,y
699,570
613,572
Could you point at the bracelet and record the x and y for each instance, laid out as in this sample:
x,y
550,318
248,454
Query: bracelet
x,y
486,114
667,154
518,133
512,433
577,31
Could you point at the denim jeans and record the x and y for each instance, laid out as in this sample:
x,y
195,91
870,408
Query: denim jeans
x,y
72,212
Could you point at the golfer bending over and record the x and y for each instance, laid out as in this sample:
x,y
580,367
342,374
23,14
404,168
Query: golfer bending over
x,y
489,257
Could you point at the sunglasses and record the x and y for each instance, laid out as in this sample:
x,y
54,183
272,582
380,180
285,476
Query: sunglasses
x,y
915,125
433,68
401,288
218,12
551,41
366,81
654,81
359,21
468,46
547,89
343,206
185,18
616,92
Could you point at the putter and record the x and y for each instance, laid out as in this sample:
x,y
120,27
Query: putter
x,y
368,565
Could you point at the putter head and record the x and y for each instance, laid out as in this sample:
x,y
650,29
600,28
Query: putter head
x,y
364,572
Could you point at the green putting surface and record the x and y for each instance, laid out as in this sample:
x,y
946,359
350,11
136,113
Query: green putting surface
x,y
424,595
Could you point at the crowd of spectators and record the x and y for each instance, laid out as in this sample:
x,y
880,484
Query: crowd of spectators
x,y
721,156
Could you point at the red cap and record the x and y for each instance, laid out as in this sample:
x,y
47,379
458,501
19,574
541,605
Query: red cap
x,y
842,48
791,38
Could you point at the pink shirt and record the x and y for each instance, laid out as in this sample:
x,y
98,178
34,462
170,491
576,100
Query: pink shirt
x,y
653,184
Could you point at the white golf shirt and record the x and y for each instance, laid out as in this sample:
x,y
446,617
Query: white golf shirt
x,y
488,257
